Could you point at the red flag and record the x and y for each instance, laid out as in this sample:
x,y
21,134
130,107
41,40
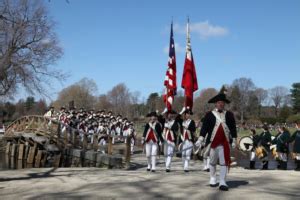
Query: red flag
x,y
170,79
189,77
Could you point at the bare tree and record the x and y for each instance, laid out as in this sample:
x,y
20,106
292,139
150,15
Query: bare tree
x,y
82,93
120,99
28,46
245,86
201,105
261,95
278,95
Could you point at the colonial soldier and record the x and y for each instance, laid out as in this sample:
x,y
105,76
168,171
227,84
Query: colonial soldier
x,y
152,138
255,139
130,132
296,149
265,140
187,138
50,112
282,146
102,135
220,126
170,133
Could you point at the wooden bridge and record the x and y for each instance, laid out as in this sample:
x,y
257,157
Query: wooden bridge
x,y
37,141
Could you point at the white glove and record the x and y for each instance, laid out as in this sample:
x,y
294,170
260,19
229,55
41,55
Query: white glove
x,y
182,111
165,110
233,145
159,143
143,141
199,141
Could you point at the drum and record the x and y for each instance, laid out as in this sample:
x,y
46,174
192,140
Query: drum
x,y
261,152
246,144
274,151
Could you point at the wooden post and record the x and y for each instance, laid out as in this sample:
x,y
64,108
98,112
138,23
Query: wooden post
x,y
31,155
84,143
7,151
21,152
13,150
44,159
56,160
128,152
110,148
38,158
95,142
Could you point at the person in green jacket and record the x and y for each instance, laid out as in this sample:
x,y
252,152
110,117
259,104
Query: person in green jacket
x,y
265,140
255,139
282,146
296,148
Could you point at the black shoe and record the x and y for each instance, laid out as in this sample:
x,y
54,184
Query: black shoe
x,y
252,164
214,185
153,170
284,165
297,162
186,171
168,170
223,188
265,165
148,170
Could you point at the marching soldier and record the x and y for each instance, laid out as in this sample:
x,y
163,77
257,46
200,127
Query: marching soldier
x,y
50,112
187,137
219,126
296,149
282,146
151,139
265,140
171,128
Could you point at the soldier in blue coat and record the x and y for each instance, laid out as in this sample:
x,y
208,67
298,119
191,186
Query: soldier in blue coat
x,y
296,148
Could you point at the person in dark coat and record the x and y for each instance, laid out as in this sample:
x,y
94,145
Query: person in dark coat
x,y
255,139
265,140
296,147
186,138
282,146
152,138
219,128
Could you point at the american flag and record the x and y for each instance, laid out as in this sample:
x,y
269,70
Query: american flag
x,y
170,79
189,77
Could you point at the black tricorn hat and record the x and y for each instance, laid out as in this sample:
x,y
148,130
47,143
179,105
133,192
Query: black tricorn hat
x,y
152,114
171,112
220,97
189,111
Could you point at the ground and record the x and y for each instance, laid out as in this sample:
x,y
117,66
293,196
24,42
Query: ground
x,y
95,183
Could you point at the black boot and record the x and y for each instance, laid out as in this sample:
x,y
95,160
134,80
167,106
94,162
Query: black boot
x,y
283,165
265,165
252,164
297,162
279,165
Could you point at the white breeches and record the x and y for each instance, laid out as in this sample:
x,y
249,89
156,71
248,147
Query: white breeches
x,y
151,152
252,156
168,152
282,156
186,154
217,154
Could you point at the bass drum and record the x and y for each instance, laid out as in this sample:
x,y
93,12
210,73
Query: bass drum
x,y
246,144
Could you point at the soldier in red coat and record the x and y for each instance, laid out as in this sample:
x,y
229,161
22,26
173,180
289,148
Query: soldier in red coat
x,y
152,137
220,128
